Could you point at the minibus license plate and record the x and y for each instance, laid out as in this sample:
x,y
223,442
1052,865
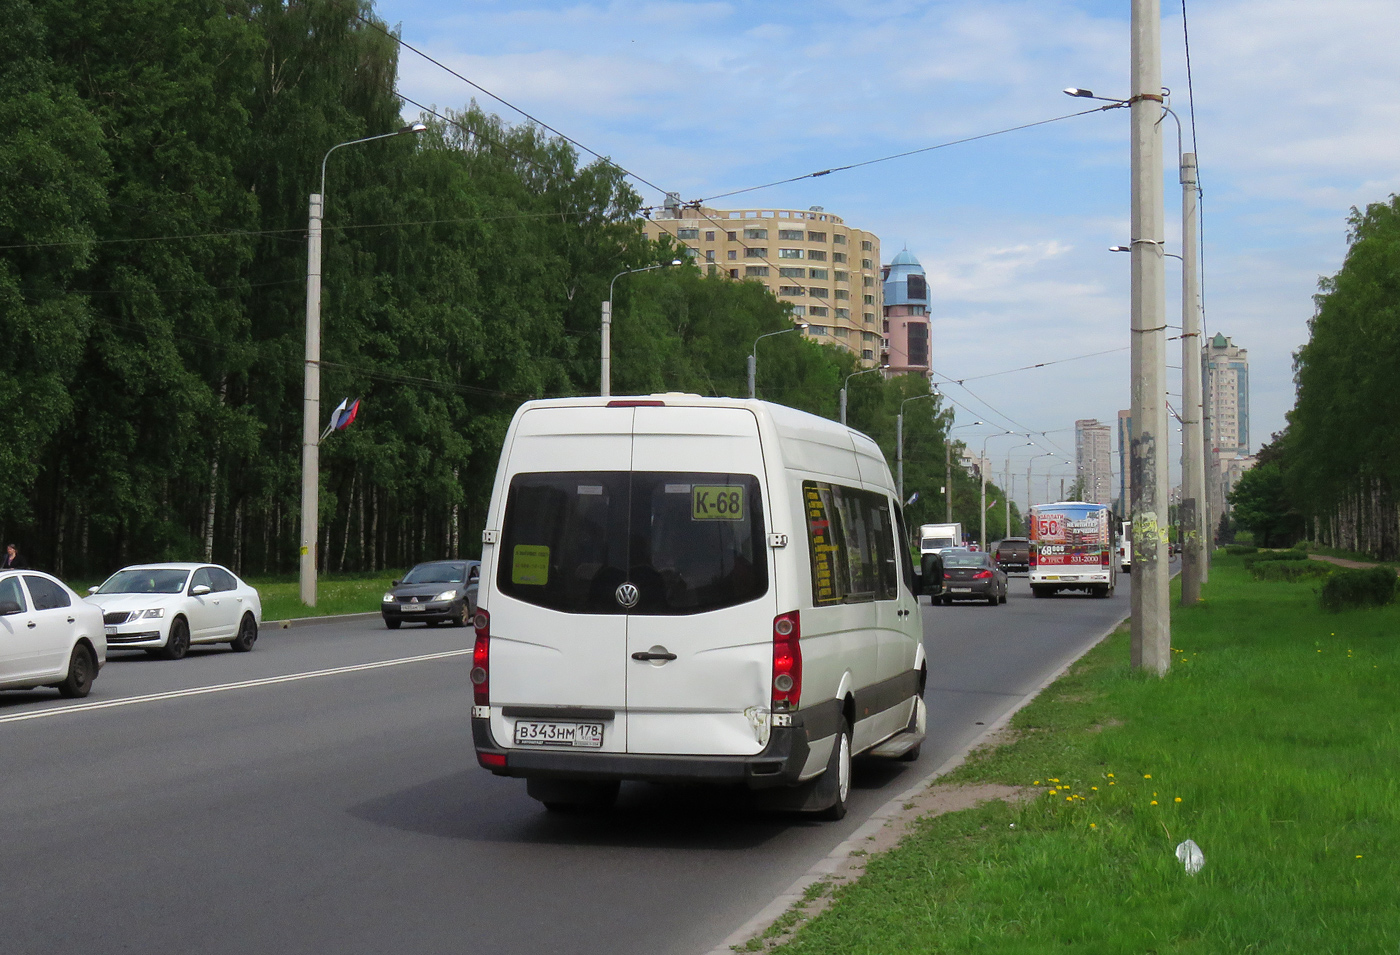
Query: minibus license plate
x,y
537,733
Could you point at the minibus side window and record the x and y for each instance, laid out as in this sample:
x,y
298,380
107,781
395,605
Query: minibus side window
x,y
830,582
850,543
879,512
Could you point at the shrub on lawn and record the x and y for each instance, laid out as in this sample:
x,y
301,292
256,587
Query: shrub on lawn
x,y
1345,589
1238,549
1303,546
1289,571
1274,556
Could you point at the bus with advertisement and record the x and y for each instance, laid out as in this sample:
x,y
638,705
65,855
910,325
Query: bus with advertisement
x,y
1072,548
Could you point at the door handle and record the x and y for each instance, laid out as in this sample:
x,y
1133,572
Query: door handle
x,y
639,655
32,625
904,613
70,619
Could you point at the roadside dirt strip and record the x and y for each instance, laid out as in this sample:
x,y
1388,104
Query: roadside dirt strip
x,y
883,830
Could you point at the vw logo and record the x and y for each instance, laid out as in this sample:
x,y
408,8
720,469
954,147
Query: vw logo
x,y
415,600
627,595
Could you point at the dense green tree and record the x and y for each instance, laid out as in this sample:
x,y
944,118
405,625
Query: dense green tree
x,y
1259,503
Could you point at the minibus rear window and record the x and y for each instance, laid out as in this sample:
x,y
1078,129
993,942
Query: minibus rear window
x,y
688,541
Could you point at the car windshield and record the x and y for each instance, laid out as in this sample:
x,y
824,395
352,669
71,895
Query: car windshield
x,y
937,543
964,560
438,572
151,581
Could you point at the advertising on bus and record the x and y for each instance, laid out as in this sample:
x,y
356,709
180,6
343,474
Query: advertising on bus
x,y
1072,549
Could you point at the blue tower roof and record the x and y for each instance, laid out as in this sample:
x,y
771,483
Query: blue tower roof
x,y
905,281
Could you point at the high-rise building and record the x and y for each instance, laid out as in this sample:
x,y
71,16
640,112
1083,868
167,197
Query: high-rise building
x,y
1093,457
906,327
1125,463
827,271
1226,384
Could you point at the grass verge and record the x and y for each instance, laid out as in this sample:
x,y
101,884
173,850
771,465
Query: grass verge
x,y
1272,744
335,593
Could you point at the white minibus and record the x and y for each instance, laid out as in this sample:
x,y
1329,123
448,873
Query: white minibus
x,y
686,589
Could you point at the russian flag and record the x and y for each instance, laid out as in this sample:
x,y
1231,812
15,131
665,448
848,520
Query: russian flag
x,y
344,414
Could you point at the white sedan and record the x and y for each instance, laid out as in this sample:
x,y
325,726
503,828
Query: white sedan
x,y
164,608
48,635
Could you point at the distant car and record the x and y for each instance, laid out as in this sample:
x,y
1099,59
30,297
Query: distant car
x,y
48,635
434,592
165,608
1013,555
972,575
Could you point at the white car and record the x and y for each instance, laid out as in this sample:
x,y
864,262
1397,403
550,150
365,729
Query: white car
x,y
48,635
164,608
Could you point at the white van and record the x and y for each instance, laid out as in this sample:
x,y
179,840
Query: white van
x,y
687,589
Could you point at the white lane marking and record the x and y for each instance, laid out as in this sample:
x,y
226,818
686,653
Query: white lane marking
x,y
220,688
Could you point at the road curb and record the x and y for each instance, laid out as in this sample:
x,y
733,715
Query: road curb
x,y
304,621
856,840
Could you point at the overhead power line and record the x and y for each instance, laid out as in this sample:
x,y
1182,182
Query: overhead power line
x,y
911,152
505,102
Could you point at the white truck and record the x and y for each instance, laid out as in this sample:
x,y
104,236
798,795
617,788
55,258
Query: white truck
x,y
936,538
1072,549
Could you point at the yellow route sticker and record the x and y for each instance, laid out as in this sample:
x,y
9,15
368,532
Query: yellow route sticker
x,y
717,502
530,565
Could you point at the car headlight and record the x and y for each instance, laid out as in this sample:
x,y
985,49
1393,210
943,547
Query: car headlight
x,y
388,598
447,595
146,614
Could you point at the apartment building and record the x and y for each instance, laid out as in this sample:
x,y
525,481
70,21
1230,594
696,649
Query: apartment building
x,y
1093,458
826,270
1226,382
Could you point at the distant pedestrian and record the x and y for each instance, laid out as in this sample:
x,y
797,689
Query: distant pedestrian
x,y
12,560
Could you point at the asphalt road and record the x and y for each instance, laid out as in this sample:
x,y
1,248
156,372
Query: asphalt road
x,y
344,812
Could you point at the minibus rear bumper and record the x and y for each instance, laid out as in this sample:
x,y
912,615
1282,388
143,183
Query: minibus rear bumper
x,y
780,763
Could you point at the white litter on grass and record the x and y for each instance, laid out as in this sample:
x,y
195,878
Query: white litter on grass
x,y
1191,856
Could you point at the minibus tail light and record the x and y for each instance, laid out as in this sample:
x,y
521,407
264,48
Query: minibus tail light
x,y
787,661
481,659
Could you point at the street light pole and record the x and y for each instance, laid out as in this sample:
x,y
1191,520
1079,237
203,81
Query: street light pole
x,y
899,442
311,385
948,469
1151,611
853,374
1030,488
605,372
982,468
753,355
1193,470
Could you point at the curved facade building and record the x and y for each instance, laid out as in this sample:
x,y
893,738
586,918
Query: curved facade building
x,y
826,270
906,320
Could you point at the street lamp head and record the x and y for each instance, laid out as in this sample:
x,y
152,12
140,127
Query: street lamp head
x,y
676,262
1076,91
414,128
1119,248
803,325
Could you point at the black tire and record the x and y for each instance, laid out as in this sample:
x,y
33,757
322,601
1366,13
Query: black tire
x,y
392,622
570,796
247,635
178,643
1041,591
155,653
82,668
459,619
994,600
836,781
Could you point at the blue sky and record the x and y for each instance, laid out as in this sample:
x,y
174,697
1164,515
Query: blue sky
x,y
1297,117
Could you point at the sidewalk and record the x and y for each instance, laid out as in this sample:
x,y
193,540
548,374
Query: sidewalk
x,y
1343,562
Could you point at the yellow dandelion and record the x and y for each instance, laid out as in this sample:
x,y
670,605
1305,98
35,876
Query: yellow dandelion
x,y
1154,802
1146,775
1053,779
1110,775
1092,826
1036,783
1112,783
1094,788
1178,799
1069,799
1358,857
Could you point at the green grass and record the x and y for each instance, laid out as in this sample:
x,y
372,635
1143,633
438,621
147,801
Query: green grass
x,y
335,593
1277,731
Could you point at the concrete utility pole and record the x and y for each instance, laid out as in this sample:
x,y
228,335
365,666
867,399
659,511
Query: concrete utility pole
x,y
1193,470
1151,610
311,394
